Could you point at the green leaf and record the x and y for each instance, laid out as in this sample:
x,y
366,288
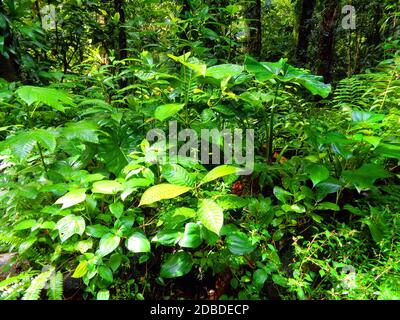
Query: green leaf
x,y
166,111
264,71
211,215
106,273
312,83
259,278
365,177
219,172
72,198
238,243
191,237
232,201
83,130
70,225
55,290
138,243
167,237
328,206
195,65
177,265
318,173
107,187
26,224
162,192
81,269
115,261
108,243
281,194
177,175
117,209
97,230
48,96
36,286
103,295
23,143
224,71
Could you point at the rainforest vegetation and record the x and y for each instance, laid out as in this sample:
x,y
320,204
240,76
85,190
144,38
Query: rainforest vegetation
x,y
93,208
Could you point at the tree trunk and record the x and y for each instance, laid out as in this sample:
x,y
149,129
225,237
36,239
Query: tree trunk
x,y
326,39
122,42
304,30
254,43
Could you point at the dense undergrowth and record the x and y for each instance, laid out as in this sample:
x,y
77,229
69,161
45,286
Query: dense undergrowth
x,y
90,209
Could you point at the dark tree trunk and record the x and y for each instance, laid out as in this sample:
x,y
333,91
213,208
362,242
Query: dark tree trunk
x,y
327,38
254,43
374,38
184,14
304,30
9,68
122,42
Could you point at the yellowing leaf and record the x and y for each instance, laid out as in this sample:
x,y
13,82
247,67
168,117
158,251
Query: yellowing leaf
x,y
72,198
80,270
211,215
107,187
162,192
219,172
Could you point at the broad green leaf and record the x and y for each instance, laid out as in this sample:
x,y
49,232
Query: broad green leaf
x,y
167,237
84,245
327,187
70,225
83,130
281,194
365,177
219,172
185,212
72,198
177,265
197,66
191,237
48,96
26,224
318,173
117,209
264,71
210,215
115,261
97,230
224,71
231,201
138,243
238,243
177,175
107,187
23,143
166,111
312,83
328,206
259,278
108,243
106,273
162,192
81,269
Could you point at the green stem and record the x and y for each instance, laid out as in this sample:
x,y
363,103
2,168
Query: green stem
x,y
271,128
41,156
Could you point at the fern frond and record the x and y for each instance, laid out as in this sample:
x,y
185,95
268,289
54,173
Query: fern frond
x,y
34,290
55,291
